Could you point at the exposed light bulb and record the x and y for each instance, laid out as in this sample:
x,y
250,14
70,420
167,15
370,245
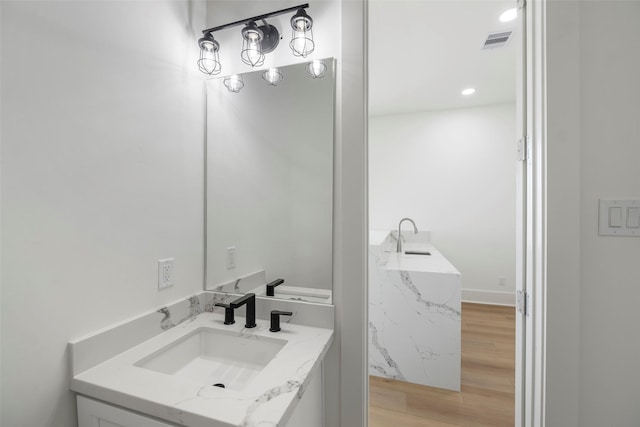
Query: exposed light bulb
x,y
253,52
298,44
300,24
509,15
234,83
272,76
468,91
209,62
302,38
316,68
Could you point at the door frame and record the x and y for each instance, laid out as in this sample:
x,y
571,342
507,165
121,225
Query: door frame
x,y
531,225
534,363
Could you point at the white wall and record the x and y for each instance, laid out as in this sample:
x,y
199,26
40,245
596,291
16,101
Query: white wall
x,y
609,157
562,370
102,175
270,178
454,173
592,346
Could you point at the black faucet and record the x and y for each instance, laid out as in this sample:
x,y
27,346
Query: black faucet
x,y
250,301
275,319
228,313
271,286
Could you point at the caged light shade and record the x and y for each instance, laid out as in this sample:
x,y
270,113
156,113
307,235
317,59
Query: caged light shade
x,y
316,68
252,37
209,62
234,83
272,76
302,37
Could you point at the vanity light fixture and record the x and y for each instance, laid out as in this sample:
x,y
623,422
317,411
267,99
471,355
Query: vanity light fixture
x,y
251,52
272,76
316,68
209,62
302,38
257,40
234,83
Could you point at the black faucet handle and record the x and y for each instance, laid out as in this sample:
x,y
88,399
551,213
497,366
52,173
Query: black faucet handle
x,y
275,319
272,285
228,313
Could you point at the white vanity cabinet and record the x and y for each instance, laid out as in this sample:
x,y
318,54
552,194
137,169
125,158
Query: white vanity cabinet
x,y
310,410
92,413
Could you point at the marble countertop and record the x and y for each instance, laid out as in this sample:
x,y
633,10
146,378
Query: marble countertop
x,y
270,400
434,263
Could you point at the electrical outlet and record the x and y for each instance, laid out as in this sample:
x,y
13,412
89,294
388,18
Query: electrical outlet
x,y
231,257
166,269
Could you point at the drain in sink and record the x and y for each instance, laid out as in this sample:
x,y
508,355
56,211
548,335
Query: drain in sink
x,y
219,385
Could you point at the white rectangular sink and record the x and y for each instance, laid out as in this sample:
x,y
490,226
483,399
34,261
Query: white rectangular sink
x,y
211,356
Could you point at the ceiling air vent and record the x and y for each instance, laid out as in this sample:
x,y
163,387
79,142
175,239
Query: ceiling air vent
x,y
495,40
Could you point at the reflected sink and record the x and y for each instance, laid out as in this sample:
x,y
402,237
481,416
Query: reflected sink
x,y
212,356
417,252
298,293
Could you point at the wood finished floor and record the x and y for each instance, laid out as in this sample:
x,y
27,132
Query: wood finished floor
x,y
488,375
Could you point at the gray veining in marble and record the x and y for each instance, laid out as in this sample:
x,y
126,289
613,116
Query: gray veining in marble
x,y
442,308
383,351
414,315
166,322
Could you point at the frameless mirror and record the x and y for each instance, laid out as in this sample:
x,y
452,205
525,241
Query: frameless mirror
x,y
269,186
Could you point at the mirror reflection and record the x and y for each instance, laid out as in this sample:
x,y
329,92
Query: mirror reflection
x,y
269,187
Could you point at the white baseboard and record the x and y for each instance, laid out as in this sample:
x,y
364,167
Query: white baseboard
x,y
489,297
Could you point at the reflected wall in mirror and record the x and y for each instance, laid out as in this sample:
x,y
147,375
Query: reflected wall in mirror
x,y
269,188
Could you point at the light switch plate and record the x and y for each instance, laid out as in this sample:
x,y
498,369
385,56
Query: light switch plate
x,y
231,257
619,217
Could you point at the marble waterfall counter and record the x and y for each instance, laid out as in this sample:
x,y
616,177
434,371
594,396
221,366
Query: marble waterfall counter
x,y
414,314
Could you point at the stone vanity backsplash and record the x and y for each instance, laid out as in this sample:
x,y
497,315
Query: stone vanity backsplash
x,y
99,346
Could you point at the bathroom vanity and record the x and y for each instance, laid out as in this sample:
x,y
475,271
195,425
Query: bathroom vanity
x,y
191,369
414,312
269,200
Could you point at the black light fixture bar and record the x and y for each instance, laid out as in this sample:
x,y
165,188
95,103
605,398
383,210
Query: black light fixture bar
x,y
256,18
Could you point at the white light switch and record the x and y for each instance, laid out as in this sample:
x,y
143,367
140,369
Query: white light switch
x,y
619,217
615,217
231,257
633,217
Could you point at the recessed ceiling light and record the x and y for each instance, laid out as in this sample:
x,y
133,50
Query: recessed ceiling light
x,y
509,15
468,91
